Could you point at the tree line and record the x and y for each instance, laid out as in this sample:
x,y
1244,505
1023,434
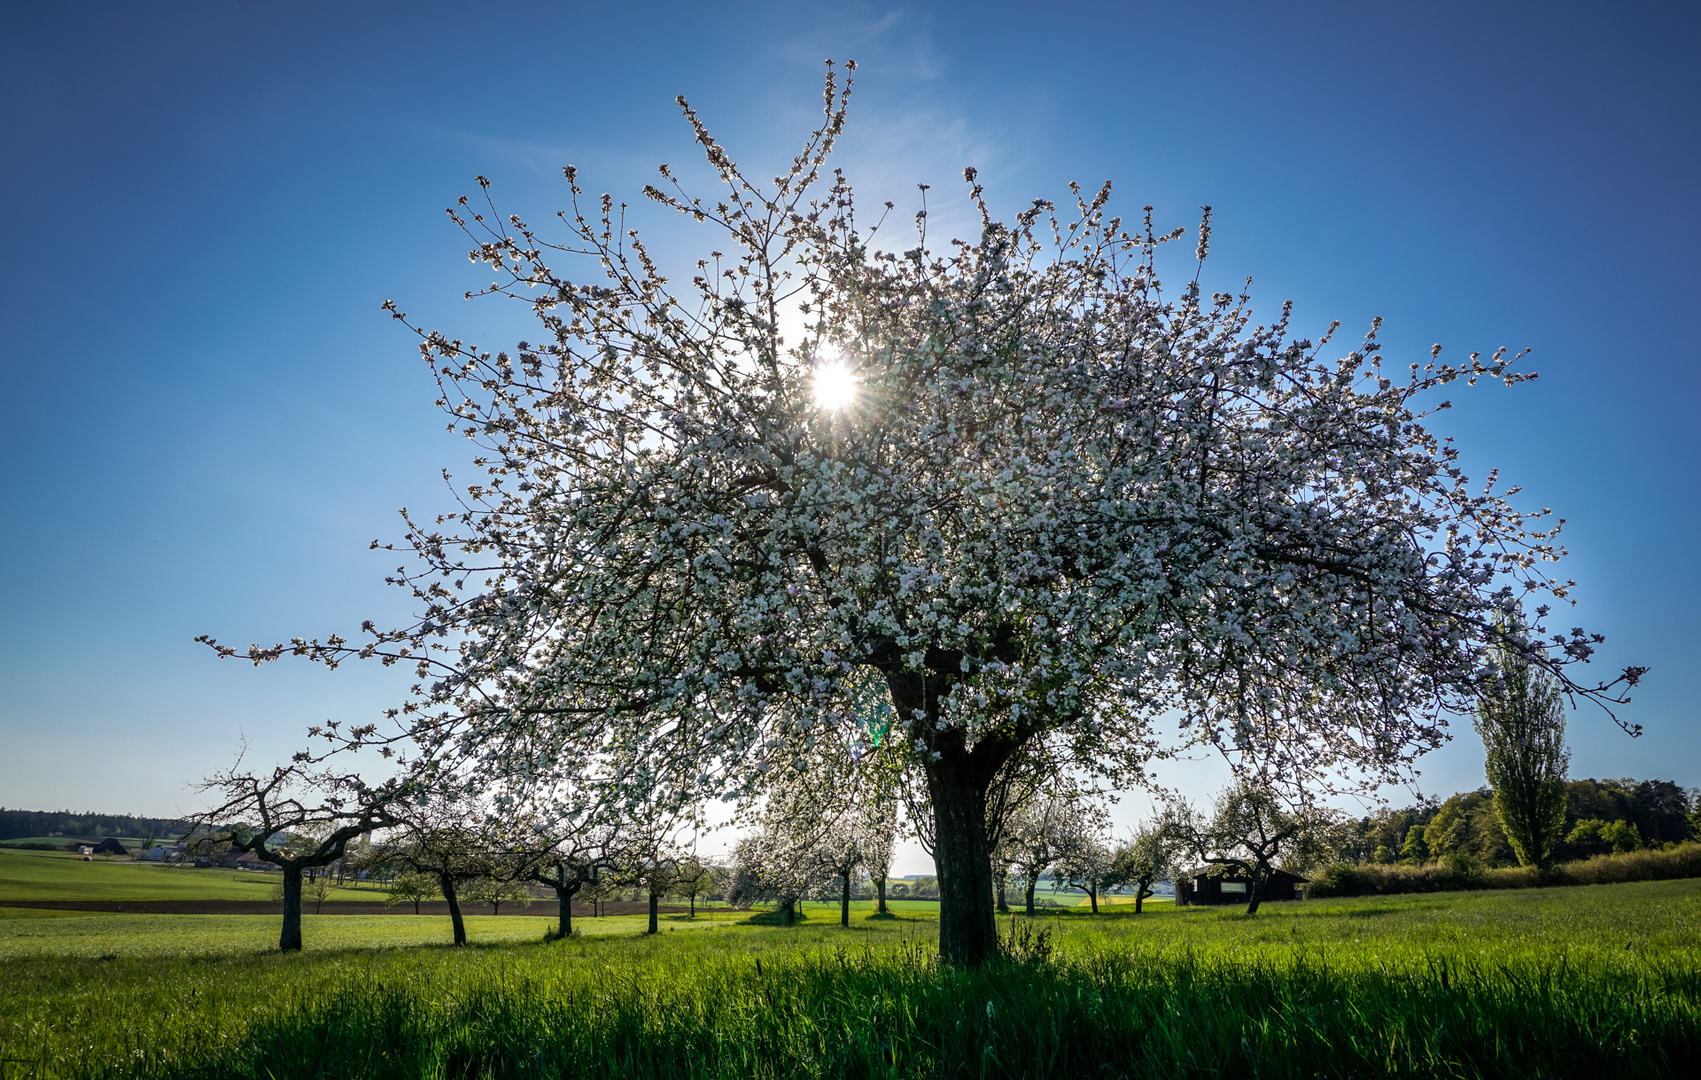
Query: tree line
x,y
20,823
1600,817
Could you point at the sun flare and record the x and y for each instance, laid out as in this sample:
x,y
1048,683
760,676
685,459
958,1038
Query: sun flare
x,y
835,386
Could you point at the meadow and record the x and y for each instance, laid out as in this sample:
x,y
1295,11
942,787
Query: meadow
x,y
1543,982
61,875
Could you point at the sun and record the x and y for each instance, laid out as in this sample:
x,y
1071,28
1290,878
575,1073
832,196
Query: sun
x,y
835,386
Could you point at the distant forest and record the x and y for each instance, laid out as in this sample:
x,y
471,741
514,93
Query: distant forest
x,y
20,823
1601,816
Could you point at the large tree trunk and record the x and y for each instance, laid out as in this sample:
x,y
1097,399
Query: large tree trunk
x,y
564,911
654,928
957,780
788,910
844,900
290,939
880,887
1093,898
1033,880
1140,895
447,884
967,932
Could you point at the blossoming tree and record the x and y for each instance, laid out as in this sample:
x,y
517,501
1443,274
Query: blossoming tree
x,y
1011,486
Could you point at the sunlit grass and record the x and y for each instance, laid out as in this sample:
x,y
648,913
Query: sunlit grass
x,y
1553,982
51,875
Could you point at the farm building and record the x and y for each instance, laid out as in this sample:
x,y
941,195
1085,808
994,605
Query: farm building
x,y
1202,887
107,846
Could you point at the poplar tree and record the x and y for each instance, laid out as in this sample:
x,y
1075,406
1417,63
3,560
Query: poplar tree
x,y
1521,719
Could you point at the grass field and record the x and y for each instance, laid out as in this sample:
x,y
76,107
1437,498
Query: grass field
x,y
1545,982
60,875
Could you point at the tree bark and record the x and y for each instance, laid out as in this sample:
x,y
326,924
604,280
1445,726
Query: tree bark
x,y
1255,890
881,889
957,782
1093,898
290,939
564,912
961,859
1140,895
653,926
1033,880
788,910
844,900
447,884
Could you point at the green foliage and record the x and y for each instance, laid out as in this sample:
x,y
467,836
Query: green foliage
x,y
1459,872
1521,719
411,887
1547,983
1413,850
15,824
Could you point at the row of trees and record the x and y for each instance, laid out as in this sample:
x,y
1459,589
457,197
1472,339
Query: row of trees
x,y
1601,816
20,823
1065,516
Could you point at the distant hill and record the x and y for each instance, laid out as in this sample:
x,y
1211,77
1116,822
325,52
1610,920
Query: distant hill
x,y
16,824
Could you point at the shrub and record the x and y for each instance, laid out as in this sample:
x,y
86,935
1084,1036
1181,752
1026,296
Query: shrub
x,y
1456,873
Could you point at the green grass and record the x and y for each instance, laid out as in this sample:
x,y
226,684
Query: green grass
x,y
1547,982
58,875
245,935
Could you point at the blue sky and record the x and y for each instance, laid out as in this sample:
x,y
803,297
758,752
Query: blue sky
x,y
209,417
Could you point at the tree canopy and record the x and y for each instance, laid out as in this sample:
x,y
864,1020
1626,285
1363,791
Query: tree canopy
x,y
955,500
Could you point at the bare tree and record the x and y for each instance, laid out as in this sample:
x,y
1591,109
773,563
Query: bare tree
x,y
693,879
441,842
298,817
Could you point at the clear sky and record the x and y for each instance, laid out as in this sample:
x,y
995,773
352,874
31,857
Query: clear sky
x,y
209,418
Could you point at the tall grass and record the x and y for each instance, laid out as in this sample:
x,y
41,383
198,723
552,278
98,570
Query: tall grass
x,y
1529,985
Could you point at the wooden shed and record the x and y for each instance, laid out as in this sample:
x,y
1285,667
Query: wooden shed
x,y
1200,886
97,846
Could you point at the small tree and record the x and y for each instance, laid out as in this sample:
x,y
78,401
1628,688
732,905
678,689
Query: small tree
x,y
442,845
693,879
498,889
410,887
1039,835
1086,864
319,888
1521,718
840,855
1249,832
647,860
1146,858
